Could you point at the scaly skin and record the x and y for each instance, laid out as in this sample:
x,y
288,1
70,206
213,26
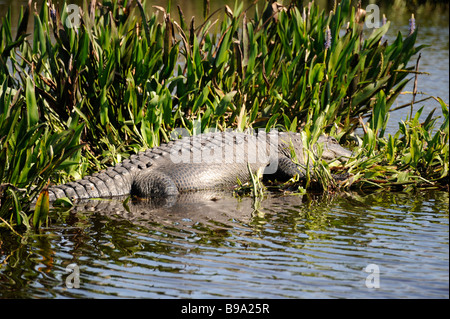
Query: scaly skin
x,y
201,162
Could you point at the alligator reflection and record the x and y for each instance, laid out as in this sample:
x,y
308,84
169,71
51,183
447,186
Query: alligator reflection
x,y
189,208
211,218
215,245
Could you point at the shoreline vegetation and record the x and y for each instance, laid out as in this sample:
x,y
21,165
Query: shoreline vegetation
x,y
93,85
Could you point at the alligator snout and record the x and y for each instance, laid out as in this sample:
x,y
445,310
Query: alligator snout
x,y
332,150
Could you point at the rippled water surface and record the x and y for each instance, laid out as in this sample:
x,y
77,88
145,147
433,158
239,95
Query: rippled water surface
x,y
282,247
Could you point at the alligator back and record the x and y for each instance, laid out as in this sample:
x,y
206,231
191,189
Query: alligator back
x,y
200,162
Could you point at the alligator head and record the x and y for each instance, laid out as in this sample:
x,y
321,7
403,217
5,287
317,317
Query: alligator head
x,y
332,150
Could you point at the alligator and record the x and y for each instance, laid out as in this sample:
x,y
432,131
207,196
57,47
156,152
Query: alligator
x,y
201,162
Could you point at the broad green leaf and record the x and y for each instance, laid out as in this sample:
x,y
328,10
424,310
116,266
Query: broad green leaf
x,y
32,108
42,209
222,53
224,103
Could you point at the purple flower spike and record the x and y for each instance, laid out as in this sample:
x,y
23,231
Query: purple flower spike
x,y
412,24
53,14
327,38
383,22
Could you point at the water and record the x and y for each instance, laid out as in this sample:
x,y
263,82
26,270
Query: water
x,y
219,246
292,247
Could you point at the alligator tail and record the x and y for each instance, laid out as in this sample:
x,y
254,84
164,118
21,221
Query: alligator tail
x,y
114,181
111,182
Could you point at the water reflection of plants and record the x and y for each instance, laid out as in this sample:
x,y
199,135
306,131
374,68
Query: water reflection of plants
x,y
300,231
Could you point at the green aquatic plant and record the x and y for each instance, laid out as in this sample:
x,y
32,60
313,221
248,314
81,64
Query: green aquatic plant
x,y
417,155
30,152
88,87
